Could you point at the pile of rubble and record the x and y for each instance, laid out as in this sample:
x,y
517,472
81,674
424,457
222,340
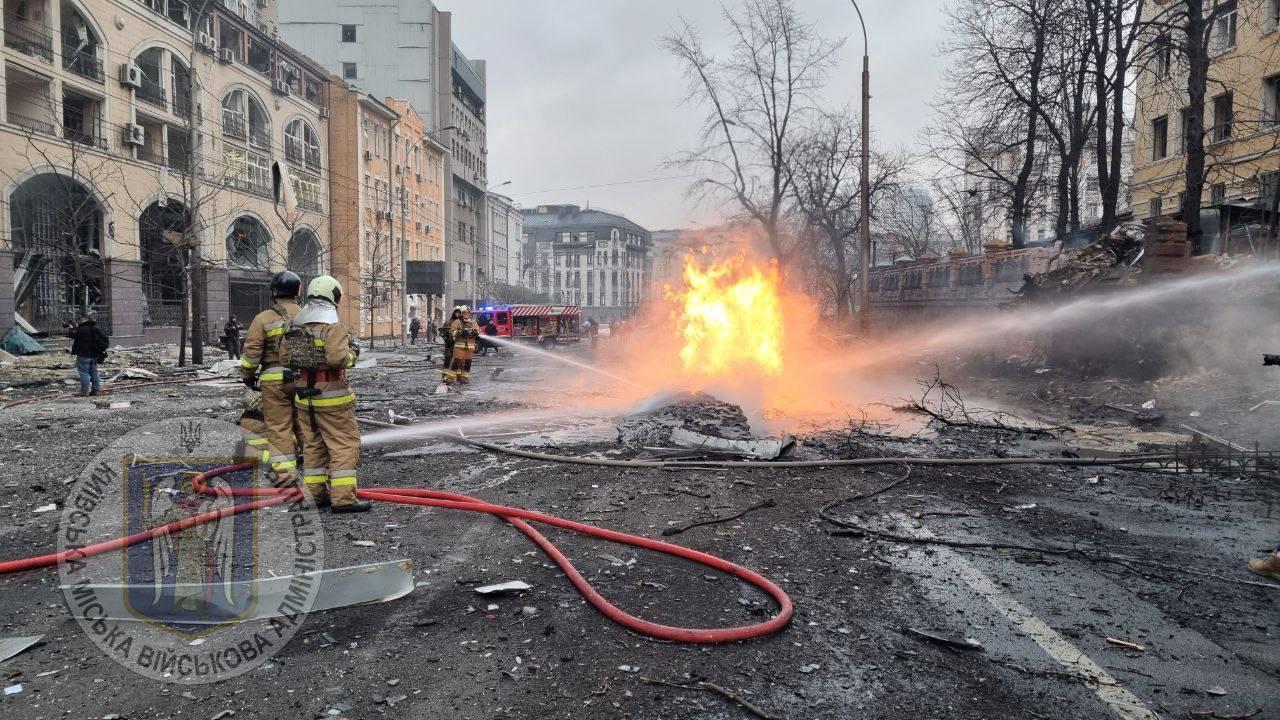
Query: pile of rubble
x,y
1109,259
689,425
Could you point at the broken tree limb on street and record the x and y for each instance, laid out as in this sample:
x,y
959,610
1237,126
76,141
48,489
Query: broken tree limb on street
x,y
713,688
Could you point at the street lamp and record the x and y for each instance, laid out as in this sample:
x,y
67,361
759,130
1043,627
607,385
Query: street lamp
x,y
864,229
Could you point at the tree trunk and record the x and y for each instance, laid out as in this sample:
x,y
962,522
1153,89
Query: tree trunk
x,y
1197,52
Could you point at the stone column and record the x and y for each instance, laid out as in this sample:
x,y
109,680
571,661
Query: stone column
x,y
217,302
6,291
123,289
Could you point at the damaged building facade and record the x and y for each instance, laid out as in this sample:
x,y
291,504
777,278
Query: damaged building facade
x,y
1241,130
134,131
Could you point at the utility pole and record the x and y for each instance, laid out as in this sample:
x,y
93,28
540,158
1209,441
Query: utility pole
x,y
864,229
194,142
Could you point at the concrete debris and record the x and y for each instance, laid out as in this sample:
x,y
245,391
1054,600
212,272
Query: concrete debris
x,y
512,586
1126,644
223,714
338,587
13,689
1216,690
1108,259
138,374
652,421
12,646
759,449
46,508
363,543
6,357
226,368
806,669
964,644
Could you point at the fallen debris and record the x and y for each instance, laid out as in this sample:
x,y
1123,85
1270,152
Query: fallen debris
x,y
505,588
679,529
338,587
759,449
1215,715
713,688
1108,259
13,646
964,644
1126,644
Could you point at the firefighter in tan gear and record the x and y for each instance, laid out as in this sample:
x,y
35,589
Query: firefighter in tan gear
x,y
321,351
465,333
262,365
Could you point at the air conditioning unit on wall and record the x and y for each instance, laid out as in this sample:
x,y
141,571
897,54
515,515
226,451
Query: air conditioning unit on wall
x,y
135,135
131,75
226,56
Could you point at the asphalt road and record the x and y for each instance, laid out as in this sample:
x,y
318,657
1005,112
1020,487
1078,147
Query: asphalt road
x,y
1043,621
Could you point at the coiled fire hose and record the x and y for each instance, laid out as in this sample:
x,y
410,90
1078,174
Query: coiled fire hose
x,y
515,516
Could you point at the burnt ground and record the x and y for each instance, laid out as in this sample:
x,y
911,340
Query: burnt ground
x,y
1209,645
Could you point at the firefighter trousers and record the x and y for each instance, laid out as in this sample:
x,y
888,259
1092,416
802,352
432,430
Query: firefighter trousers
x,y
331,446
278,411
459,369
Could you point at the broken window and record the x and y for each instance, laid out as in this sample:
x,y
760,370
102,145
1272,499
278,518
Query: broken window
x,y
1224,27
1271,100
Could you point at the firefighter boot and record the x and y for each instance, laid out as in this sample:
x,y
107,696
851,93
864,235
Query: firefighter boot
x,y
344,500
317,493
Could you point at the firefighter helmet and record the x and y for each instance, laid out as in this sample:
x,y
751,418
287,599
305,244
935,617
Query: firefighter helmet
x,y
286,285
325,288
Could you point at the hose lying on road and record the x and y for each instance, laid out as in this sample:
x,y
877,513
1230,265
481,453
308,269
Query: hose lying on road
x,y
515,516
107,389
778,464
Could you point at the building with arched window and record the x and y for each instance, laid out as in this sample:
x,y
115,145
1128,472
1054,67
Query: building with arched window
x,y
139,146
595,259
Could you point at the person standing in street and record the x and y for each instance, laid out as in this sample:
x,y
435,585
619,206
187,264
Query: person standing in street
x,y
321,351
446,335
415,326
231,337
89,344
262,366
465,333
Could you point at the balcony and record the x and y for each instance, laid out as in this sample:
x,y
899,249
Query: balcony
x,y
26,39
153,94
260,137
91,139
311,204
84,63
313,159
182,104
32,124
233,124
293,151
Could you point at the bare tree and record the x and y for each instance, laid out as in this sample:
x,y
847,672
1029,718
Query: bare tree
x,y
758,98
825,177
913,221
1117,28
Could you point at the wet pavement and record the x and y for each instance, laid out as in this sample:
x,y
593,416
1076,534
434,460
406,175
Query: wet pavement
x,y
1043,620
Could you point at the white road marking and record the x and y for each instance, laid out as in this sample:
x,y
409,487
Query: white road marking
x,y
1125,704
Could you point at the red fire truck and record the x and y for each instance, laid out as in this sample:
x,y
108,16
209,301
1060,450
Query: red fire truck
x,y
546,325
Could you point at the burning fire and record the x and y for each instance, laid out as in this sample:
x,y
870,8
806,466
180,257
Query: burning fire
x,y
730,317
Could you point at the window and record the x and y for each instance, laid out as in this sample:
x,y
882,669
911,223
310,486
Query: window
x,y
1224,27
1271,100
1223,114
1268,184
1153,207
1160,138
1163,56
349,71
1217,194
348,33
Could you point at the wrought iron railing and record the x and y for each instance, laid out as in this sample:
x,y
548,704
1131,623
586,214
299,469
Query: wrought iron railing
x,y
260,137
233,124
84,63
28,40
153,94
32,124
163,313
182,104
84,137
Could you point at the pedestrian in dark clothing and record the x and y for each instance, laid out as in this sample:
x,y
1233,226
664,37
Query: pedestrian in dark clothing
x,y
490,330
231,337
89,345
415,326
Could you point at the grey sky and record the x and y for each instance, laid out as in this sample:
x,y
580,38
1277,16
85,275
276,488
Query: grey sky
x,y
580,93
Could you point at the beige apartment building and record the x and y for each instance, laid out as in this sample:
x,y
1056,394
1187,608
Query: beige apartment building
x,y
391,215
113,159
1241,121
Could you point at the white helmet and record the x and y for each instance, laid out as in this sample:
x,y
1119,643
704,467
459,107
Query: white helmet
x,y
325,288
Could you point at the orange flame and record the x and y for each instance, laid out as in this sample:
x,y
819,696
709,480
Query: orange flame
x,y
730,317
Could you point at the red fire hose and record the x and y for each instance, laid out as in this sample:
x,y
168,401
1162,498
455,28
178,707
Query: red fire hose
x,y
514,516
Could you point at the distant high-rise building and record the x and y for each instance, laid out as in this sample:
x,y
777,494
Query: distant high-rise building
x,y
405,50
